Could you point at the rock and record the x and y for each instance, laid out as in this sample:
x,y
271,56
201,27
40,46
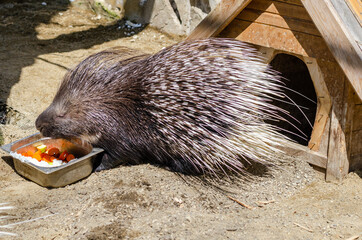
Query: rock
x,y
109,8
177,17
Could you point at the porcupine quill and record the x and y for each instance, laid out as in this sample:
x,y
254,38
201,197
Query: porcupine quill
x,y
197,107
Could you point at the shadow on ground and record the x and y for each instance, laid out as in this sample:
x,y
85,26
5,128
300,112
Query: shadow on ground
x,y
21,46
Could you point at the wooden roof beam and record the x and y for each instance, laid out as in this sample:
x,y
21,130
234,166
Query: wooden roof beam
x,y
342,45
218,19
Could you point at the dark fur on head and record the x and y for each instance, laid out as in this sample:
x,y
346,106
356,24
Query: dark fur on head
x,y
196,107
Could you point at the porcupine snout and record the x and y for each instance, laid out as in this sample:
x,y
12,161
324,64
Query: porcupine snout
x,y
51,123
43,121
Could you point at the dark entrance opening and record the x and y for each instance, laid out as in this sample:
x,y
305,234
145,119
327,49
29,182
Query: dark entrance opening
x,y
301,102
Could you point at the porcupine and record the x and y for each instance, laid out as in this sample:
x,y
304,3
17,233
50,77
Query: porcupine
x,y
197,107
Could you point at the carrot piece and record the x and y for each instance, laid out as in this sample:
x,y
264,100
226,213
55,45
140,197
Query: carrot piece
x,y
30,153
37,155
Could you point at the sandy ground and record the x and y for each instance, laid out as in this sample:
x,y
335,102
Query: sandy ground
x,y
38,44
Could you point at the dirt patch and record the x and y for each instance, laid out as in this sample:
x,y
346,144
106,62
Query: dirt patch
x,y
40,42
111,231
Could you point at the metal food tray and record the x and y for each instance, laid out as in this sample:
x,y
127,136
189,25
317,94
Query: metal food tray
x,y
59,176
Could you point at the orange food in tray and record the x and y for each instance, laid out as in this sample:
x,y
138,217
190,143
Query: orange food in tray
x,y
42,153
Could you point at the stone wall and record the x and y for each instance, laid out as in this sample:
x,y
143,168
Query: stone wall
x,y
178,17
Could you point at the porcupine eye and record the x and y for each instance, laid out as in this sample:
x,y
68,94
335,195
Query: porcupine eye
x,y
46,122
69,121
59,116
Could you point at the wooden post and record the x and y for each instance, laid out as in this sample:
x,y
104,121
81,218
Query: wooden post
x,y
324,103
337,164
348,112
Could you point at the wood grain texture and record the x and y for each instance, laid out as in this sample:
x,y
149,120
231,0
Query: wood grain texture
x,y
337,164
305,154
295,2
348,112
356,8
284,9
357,118
278,38
273,19
356,148
323,106
218,19
344,48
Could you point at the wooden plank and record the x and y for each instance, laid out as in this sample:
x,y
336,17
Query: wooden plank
x,y
305,154
337,164
356,148
323,106
323,147
356,151
267,53
357,118
284,9
218,19
342,45
348,20
276,20
356,9
348,112
278,38
295,2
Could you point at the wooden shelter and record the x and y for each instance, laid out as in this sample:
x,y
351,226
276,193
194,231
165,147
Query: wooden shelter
x,y
324,35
